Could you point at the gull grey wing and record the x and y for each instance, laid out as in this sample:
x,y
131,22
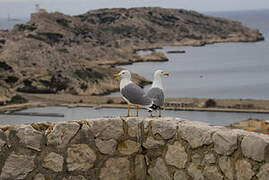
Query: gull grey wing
x,y
157,95
135,95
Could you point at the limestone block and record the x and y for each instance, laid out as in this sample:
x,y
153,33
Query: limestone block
x,y
225,164
151,143
243,170
62,133
159,171
17,166
140,167
133,126
116,169
195,172
54,162
263,172
39,177
80,157
180,175
2,139
197,134
176,155
256,147
106,129
128,147
79,177
30,137
212,173
209,159
165,128
106,146
196,158
225,142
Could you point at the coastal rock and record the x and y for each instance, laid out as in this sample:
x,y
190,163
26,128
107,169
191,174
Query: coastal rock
x,y
116,169
225,164
17,166
256,147
243,170
180,175
165,128
159,171
30,137
151,143
54,162
128,147
106,146
62,133
195,172
140,167
80,157
264,172
107,128
176,155
212,173
39,177
197,134
225,142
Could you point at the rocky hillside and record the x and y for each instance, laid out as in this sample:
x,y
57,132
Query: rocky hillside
x,y
54,52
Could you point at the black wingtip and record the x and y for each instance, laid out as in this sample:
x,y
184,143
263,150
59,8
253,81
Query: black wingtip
x,y
154,107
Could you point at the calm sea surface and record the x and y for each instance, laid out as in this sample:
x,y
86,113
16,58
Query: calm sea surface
x,y
214,118
225,70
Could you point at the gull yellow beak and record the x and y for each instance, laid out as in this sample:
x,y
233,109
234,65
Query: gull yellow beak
x,y
116,75
166,74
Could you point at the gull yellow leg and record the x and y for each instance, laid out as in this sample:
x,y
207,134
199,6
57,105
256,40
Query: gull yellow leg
x,y
160,113
128,114
136,111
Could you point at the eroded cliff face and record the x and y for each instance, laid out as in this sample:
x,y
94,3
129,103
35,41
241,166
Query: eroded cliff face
x,y
131,148
55,52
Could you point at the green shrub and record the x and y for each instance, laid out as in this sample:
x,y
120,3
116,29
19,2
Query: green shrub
x,y
210,103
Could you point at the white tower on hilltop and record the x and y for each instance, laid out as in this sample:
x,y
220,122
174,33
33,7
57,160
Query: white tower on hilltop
x,y
39,10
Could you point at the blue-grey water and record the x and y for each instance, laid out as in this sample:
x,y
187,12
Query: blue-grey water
x,y
225,70
79,113
6,23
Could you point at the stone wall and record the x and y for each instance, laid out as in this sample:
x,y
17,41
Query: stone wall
x,y
131,148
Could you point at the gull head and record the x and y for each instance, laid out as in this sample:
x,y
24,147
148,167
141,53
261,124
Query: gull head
x,y
123,74
160,73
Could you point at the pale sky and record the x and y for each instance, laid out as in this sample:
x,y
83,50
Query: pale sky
x,y
23,8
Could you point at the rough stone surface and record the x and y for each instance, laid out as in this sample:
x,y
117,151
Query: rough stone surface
x,y
226,166
17,166
62,133
151,143
133,126
39,177
165,128
140,167
75,178
180,175
243,170
263,172
106,146
212,173
176,155
197,134
128,147
225,142
80,157
54,162
209,159
196,158
30,137
116,169
256,147
159,171
107,128
2,139
195,172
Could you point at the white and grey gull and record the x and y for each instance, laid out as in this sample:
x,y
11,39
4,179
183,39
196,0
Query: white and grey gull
x,y
156,92
132,93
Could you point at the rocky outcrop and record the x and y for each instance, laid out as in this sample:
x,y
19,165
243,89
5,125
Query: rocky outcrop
x,y
131,148
54,52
